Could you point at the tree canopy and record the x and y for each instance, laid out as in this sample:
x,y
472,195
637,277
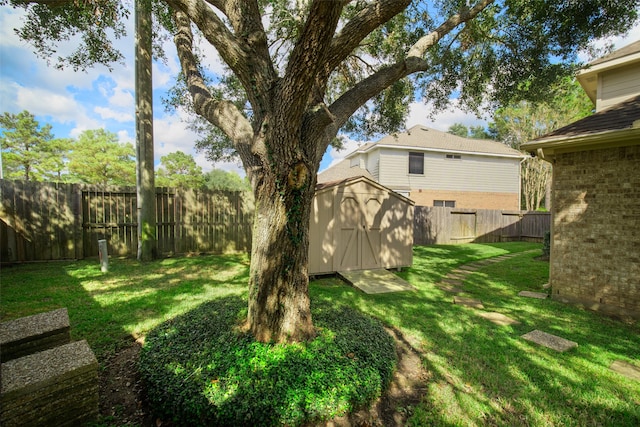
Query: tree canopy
x,y
218,179
98,158
301,71
473,132
179,170
29,151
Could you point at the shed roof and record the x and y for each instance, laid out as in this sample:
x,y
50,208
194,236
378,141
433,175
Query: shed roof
x,y
428,139
355,179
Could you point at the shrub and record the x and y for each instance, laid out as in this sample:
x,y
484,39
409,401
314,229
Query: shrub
x,y
200,370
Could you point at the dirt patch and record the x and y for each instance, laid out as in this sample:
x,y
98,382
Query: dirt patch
x,y
122,399
123,402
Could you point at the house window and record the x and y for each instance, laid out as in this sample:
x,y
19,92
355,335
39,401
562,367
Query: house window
x,y
453,156
445,203
416,163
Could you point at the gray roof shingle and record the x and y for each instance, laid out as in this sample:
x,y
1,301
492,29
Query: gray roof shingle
x,y
342,171
422,137
629,49
618,117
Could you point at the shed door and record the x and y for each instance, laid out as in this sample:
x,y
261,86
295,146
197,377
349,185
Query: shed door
x,y
359,237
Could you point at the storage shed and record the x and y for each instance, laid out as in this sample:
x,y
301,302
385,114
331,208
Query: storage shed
x,y
358,224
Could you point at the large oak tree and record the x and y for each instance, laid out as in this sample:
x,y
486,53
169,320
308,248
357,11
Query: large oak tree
x,y
306,69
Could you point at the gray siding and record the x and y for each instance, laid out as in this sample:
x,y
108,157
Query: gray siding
x,y
617,85
470,173
373,165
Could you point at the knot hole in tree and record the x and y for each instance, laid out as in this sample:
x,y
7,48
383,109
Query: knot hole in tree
x,y
298,176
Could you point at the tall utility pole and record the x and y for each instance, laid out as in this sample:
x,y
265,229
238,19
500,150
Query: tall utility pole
x,y
145,183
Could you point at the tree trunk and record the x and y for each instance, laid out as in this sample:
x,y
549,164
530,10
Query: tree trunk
x,y
278,285
145,182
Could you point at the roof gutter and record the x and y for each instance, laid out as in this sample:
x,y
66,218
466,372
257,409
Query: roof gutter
x,y
433,150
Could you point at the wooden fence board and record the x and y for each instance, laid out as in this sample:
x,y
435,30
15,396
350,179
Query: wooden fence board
x,y
49,221
440,225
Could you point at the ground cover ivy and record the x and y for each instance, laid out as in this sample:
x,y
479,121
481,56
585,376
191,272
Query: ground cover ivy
x,y
200,369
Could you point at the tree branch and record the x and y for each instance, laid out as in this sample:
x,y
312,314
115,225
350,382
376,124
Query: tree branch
x,y
421,46
359,27
360,93
247,55
222,114
310,52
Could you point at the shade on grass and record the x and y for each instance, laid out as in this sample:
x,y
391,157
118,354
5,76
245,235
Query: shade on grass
x,y
479,373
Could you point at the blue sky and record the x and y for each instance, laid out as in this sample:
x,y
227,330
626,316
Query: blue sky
x,y
75,101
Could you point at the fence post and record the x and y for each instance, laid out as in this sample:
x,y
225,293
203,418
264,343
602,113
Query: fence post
x,y
104,255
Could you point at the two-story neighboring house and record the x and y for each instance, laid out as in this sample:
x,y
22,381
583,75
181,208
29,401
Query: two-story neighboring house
x,y
435,168
595,251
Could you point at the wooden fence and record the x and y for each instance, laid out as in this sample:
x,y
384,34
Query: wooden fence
x,y
54,221
439,225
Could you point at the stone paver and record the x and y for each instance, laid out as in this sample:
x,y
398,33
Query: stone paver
x,y
468,267
459,272
498,318
469,302
626,369
553,342
452,281
529,294
450,288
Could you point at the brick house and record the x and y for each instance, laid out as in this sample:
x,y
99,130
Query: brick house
x,y
435,168
595,252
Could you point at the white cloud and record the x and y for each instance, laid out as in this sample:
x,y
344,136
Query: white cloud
x,y
122,99
171,134
618,42
40,101
419,114
109,113
124,137
349,145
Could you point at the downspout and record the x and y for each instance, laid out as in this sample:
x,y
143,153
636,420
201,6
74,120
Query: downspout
x,y
520,182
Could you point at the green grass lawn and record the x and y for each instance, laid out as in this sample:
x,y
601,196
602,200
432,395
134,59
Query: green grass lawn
x,y
479,373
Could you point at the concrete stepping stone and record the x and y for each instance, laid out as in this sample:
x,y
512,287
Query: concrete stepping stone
x,y
626,369
452,281
459,272
553,342
468,267
529,294
450,288
498,318
546,286
469,302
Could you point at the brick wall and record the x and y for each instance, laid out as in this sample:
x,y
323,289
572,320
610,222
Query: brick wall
x,y
595,254
467,199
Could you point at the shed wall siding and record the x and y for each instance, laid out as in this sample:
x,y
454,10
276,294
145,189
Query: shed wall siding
x,y
359,225
617,86
596,229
